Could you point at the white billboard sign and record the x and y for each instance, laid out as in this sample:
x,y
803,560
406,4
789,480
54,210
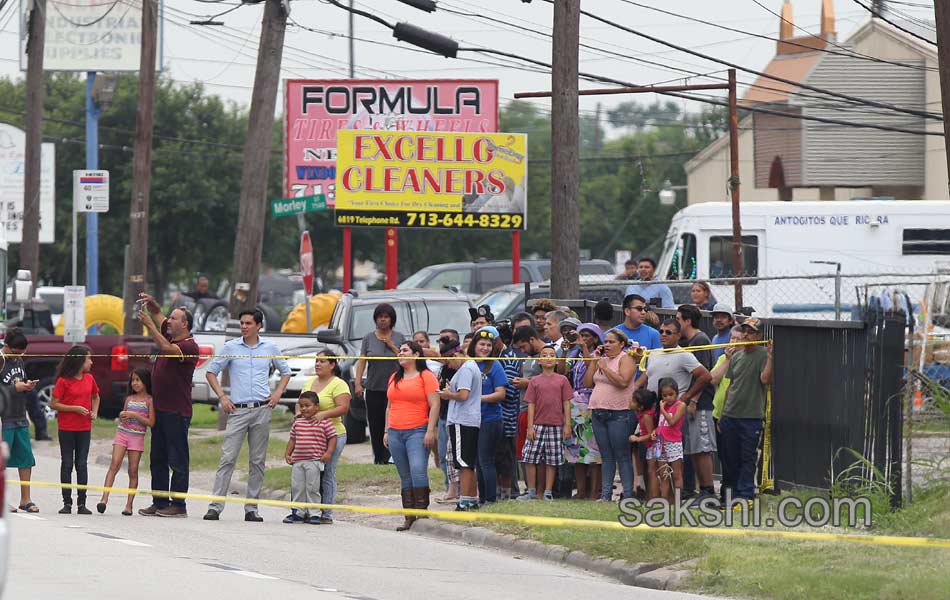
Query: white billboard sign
x,y
12,167
90,35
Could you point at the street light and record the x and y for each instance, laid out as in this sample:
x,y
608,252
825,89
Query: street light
x,y
668,193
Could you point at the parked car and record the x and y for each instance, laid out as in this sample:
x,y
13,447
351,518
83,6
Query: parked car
x,y
114,357
480,276
506,300
416,310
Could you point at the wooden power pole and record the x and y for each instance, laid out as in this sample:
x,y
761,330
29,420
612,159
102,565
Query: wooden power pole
x,y
137,266
35,99
565,140
942,13
257,154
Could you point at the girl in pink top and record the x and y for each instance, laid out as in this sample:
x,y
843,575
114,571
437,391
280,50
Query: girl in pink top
x,y
612,377
669,437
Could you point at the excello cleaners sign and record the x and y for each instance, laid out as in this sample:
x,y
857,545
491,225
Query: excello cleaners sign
x,y
442,180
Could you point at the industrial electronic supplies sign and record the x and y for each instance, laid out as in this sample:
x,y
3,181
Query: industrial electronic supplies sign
x,y
315,110
444,180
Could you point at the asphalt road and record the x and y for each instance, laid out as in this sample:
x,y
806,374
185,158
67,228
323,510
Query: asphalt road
x,y
113,556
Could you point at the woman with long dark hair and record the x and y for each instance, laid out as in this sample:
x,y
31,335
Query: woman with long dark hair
x,y
412,422
334,402
381,342
75,399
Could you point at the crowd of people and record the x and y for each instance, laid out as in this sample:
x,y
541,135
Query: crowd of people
x,y
538,406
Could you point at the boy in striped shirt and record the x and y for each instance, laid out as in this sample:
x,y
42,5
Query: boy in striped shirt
x,y
310,447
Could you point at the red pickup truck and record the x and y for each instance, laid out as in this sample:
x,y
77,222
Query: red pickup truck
x,y
113,358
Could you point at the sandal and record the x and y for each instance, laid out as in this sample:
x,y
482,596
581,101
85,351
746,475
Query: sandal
x,y
127,513
29,507
447,500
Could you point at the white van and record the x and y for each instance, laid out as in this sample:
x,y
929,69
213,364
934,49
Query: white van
x,y
875,241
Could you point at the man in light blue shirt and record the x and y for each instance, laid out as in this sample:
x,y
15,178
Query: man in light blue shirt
x,y
249,406
646,267
634,314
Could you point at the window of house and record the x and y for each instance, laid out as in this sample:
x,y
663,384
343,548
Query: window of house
x,y
926,241
720,256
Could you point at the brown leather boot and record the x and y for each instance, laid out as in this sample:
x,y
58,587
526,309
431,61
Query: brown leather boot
x,y
422,499
408,501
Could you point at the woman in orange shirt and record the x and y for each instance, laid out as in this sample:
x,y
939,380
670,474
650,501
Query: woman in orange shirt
x,y
411,424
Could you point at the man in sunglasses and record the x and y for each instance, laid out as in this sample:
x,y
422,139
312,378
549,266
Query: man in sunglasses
x,y
634,316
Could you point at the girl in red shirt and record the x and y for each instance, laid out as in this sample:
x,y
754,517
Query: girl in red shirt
x,y
76,402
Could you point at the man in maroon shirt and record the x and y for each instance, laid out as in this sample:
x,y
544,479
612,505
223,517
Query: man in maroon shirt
x,y
171,393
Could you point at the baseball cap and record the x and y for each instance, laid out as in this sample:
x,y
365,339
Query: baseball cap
x,y
722,307
753,324
569,322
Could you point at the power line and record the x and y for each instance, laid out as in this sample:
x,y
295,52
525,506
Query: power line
x,y
848,52
877,14
916,113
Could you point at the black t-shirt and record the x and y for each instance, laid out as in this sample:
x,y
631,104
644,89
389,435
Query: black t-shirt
x,y
705,358
12,402
445,376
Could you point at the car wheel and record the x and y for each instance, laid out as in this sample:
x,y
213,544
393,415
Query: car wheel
x,y
355,429
272,321
217,317
44,390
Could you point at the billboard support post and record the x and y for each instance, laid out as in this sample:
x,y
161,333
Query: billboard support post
x,y
347,258
392,258
515,257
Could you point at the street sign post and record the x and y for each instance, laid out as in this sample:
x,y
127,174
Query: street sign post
x,y
90,195
74,314
306,269
287,207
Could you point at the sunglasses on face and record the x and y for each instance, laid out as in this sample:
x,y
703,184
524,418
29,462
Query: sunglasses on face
x,y
668,332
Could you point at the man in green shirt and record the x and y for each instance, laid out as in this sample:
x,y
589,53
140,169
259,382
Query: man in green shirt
x,y
750,374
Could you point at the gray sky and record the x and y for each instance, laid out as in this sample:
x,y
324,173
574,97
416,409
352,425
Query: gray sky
x,y
224,57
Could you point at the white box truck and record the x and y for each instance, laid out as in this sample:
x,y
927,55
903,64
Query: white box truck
x,y
874,241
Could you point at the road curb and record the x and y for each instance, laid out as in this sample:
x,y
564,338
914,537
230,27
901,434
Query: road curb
x,y
648,575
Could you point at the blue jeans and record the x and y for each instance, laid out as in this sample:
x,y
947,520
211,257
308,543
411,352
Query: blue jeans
x,y
407,447
169,451
738,454
328,481
443,449
489,435
612,432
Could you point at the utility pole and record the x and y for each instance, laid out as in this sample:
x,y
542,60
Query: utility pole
x,y
137,266
35,99
565,139
738,269
942,14
257,154
351,16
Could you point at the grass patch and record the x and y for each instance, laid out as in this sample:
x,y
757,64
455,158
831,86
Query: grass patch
x,y
762,568
206,452
352,479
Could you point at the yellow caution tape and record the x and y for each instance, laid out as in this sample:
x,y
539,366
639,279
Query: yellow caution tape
x,y
347,357
475,517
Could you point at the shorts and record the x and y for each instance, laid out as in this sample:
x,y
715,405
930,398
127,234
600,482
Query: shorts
x,y
505,455
699,433
547,447
464,446
671,451
134,442
21,453
651,452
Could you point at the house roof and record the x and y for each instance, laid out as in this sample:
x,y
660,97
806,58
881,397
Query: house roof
x,y
794,67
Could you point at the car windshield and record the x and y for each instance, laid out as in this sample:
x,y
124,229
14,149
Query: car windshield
x,y
447,315
501,302
415,280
